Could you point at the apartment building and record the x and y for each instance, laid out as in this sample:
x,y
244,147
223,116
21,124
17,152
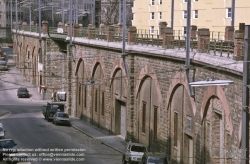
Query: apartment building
x,y
212,14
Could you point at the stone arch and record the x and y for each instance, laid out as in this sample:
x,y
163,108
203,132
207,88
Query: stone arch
x,y
97,60
79,62
217,91
118,64
179,79
148,71
149,108
118,90
81,92
181,116
98,93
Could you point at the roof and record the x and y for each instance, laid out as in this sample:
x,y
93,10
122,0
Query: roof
x,y
155,154
136,144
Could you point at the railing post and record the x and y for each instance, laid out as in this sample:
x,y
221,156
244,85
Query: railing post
x,y
110,33
45,27
162,27
203,39
76,28
238,44
168,38
193,31
131,35
24,24
31,26
90,31
119,27
229,32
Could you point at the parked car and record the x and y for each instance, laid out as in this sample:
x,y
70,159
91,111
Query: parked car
x,y
133,153
153,158
61,118
51,108
2,132
7,147
23,92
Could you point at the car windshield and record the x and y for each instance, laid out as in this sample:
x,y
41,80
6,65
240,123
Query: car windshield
x,y
63,115
156,160
22,89
1,129
7,143
56,108
138,148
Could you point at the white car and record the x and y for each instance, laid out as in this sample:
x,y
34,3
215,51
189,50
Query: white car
x,y
61,118
2,132
133,153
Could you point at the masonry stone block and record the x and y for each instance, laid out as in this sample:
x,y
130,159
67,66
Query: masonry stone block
x,y
203,39
45,27
229,33
238,44
131,35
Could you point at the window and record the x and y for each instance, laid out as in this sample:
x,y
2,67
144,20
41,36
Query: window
x,y
152,30
185,14
184,0
160,15
96,94
152,15
79,95
155,122
195,13
152,2
175,128
160,2
143,117
229,12
189,123
103,103
184,30
85,97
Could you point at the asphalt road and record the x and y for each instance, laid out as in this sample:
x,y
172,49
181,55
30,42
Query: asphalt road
x,y
25,124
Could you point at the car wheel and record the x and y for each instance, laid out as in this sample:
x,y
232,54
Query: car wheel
x,y
124,161
53,121
56,123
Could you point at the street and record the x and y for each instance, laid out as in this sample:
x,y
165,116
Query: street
x,y
24,123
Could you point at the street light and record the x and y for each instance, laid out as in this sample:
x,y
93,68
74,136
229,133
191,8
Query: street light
x,y
210,82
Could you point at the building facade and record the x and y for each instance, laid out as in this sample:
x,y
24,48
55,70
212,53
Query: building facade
x,y
212,14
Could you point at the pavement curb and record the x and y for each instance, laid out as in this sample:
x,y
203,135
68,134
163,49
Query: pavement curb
x,y
97,139
3,114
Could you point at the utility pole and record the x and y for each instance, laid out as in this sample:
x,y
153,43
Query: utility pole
x,y
124,36
120,11
172,14
63,13
233,13
245,100
11,15
187,62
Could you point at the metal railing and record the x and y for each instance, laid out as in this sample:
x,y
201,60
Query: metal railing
x,y
215,44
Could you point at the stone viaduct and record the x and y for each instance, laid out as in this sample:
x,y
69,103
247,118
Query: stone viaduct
x,y
152,103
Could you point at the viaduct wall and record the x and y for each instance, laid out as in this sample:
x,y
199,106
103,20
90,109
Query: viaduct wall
x,y
152,103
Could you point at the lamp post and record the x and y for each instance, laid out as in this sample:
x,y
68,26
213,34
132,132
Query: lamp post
x,y
232,12
124,36
245,100
187,61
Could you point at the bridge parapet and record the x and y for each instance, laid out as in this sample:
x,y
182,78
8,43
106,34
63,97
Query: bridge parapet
x,y
210,42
